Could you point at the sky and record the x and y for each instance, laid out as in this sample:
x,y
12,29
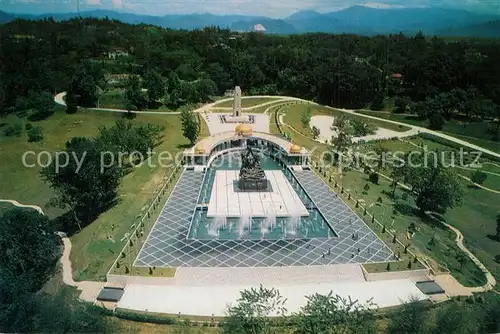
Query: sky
x,y
270,8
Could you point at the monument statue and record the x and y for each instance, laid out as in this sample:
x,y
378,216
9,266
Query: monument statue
x,y
252,176
237,116
237,102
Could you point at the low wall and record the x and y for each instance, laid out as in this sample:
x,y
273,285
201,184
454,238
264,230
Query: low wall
x,y
128,279
415,275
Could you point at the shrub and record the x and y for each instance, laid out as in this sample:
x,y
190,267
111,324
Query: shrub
x,y
13,130
35,134
478,177
144,317
28,126
497,258
374,177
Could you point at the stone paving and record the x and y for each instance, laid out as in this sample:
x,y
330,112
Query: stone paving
x,y
168,245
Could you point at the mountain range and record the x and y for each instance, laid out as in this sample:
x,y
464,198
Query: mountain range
x,y
356,19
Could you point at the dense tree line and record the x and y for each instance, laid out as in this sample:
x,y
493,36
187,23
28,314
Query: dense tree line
x,y
440,78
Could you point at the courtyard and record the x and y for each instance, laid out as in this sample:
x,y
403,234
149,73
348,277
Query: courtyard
x,y
300,222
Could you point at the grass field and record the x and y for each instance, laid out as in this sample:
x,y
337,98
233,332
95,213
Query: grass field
x,y
294,112
443,255
246,102
473,132
97,245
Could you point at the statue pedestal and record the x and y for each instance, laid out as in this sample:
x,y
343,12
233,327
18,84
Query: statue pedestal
x,y
254,185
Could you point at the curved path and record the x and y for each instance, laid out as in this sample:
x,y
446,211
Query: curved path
x,y
19,205
59,99
89,289
459,240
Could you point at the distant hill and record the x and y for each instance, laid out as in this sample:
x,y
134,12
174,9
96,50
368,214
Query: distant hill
x,y
272,26
4,17
488,29
356,19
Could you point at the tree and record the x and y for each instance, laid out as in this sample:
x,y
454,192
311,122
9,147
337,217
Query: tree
x,y
461,259
374,177
28,245
305,118
71,103
88,183
252,311
334,314
83,86
437,188
155,85
436,122
410,319
133,95
126,138
35,134
43,105
190,126
361,128
401,104
478,177
456,318
315,132
206,89
29,251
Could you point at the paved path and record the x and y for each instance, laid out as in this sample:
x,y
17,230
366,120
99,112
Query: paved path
x,y
19,205
89,289
59,99
491,281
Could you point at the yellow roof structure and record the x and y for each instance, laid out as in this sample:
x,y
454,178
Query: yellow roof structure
x,y
199,149
295,149
243,130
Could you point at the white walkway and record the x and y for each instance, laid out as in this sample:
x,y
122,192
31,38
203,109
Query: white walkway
x,y
216,126
213,300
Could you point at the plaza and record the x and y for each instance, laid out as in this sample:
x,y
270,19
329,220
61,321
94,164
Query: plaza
x,y
301,221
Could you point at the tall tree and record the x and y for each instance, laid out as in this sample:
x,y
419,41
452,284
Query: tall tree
x,y
155,85
437,188
87,184
134,97
29,250
190,126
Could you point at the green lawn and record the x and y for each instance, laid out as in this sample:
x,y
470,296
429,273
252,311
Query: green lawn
x,y
403,212
294,112
97,245
473,132
246,102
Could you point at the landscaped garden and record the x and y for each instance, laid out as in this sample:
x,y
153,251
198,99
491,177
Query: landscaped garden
x,y
434,242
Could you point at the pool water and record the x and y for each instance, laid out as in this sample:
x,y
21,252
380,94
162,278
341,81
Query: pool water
x,y
255,228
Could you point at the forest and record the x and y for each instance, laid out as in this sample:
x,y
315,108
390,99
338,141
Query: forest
x,y
434,78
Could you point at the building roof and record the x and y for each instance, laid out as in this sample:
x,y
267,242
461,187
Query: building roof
x,y
110,294
209,143
429,287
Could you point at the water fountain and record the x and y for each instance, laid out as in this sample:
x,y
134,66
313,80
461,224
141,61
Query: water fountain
x,y
245,221
268,223
217,223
